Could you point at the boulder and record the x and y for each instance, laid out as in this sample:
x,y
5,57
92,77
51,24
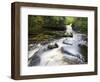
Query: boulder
x,y
68,34
52,46
67,42
33,61
83,44
70,51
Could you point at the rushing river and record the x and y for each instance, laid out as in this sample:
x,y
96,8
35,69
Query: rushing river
x,y
68,52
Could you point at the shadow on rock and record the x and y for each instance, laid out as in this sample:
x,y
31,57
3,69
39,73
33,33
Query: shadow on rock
x,y
34,60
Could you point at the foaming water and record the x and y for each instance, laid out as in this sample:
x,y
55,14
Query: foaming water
x,y
67,52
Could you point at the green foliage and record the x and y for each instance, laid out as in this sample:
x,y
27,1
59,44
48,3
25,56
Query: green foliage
x,y
69,20
35,24
54,22
53,46
81,24
46,27
41,37
48,35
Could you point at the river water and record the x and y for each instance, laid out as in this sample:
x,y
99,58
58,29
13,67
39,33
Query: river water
x,y
68,52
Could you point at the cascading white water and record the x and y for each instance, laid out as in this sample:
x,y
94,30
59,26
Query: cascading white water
x,y
69,29
67,53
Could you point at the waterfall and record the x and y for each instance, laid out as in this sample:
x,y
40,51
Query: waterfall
x,y
69,29
67,52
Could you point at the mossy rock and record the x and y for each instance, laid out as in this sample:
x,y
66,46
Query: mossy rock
x,y
53,46
68,35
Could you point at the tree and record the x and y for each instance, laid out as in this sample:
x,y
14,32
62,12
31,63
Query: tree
x,y
81,24
35,24
54,22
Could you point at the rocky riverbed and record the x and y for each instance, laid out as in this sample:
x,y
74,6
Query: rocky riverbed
x,y
63,51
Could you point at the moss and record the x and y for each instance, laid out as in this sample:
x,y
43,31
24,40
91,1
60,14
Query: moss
x,y
48,35
41,37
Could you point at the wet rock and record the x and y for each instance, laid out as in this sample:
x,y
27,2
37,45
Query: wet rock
x,y
52,46
66,42
82,44
84,37
67,51
68,35
72,60
71,52
84,51
35,60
